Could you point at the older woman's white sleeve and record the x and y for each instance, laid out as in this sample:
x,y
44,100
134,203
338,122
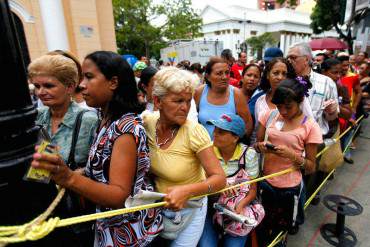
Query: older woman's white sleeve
x,y
193,113
199,138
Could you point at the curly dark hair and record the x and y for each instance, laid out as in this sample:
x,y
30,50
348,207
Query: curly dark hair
x,y
265,84
124,98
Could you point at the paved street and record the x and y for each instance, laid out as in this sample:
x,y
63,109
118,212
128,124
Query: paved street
x,y
351,181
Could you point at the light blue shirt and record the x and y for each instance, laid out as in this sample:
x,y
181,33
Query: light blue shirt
x,y
63,136
208,111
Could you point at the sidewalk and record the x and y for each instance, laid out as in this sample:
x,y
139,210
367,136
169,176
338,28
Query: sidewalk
x,y
352,181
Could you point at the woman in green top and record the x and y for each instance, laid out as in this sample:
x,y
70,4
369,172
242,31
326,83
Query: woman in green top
x,y
229,150
55,78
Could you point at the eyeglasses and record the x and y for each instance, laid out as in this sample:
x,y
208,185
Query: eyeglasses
x,y
293,57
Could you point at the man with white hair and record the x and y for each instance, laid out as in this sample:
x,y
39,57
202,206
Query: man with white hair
x,y
323,98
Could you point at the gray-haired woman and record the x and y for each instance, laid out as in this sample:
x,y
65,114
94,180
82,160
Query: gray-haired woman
x,y
183,161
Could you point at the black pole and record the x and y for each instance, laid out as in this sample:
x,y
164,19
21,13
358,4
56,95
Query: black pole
x,y
18,133
339,226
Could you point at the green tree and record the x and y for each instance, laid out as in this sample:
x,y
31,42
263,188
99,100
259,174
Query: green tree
x,y
182,20
329,14
136,34
258,43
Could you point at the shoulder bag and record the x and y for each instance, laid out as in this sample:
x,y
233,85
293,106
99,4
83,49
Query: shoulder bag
x,y
253,211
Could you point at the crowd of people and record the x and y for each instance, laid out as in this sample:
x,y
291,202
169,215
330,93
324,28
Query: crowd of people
x,y
188,130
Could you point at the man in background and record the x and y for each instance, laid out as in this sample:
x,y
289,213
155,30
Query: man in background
x,y
323,98
352,83
238,67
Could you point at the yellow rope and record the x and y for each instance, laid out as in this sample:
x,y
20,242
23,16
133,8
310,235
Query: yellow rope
x,y
35,233
39,228
34,230
277,239
339,137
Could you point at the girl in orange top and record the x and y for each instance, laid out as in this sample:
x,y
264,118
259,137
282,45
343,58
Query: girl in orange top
x,y
292,140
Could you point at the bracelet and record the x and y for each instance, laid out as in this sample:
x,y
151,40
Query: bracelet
x,y
295,159
302,165
209,188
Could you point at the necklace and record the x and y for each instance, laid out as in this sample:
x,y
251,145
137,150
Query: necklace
x,y
165,141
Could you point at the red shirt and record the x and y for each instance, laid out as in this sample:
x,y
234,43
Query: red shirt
x,y
350,81
234,82
237,70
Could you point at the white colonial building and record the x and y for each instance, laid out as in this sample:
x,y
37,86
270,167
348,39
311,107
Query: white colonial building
x,y
234,24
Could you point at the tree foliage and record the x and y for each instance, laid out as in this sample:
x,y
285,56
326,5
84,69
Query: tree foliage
x,y
258,43
326,15
136,34
182,20
329,14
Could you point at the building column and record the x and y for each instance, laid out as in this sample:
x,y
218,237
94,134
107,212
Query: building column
x,y
52,15
290,41
282,42
307,38
286,45
300,38
295,38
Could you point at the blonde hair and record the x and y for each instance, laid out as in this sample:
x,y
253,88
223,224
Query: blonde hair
x,y
62,68
70,55
172,79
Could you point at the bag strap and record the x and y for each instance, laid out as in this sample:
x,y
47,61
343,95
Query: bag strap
x,y
242,162
273,114
76,130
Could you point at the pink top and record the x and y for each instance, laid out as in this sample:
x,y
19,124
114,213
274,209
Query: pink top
x,y
296,139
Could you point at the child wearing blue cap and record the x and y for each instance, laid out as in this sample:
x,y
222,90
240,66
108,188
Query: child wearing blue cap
x,y
229,129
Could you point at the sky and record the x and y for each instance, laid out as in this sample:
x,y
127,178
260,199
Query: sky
x,y
200,4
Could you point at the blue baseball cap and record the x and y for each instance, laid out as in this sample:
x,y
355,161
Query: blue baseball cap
x,y
271,53
230,122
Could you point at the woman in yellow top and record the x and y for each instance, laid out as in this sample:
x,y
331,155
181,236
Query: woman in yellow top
x,y
183,161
